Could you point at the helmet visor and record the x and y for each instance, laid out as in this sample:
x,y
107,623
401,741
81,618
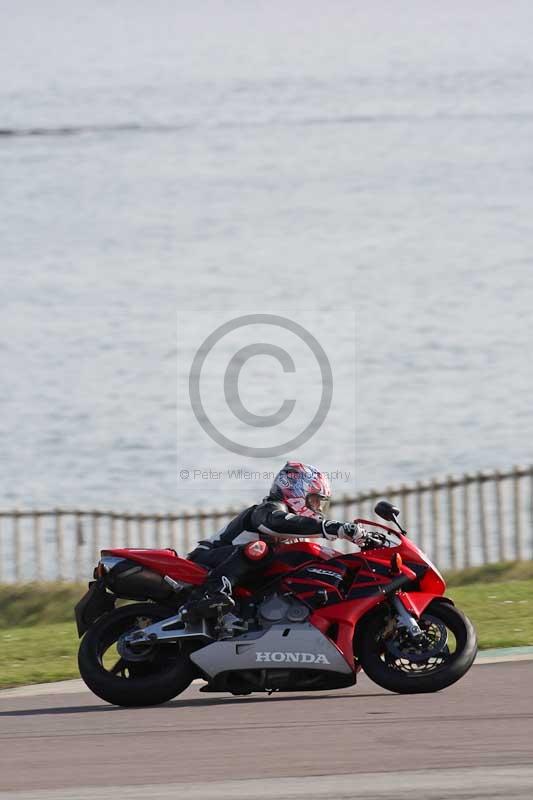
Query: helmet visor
x,y
318,503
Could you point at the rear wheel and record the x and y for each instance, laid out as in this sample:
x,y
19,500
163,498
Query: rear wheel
x,y
147,675
443,655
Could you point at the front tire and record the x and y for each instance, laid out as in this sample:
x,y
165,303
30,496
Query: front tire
x,y
150,678
401,668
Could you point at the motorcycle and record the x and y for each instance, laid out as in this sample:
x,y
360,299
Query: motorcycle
x,y
311,621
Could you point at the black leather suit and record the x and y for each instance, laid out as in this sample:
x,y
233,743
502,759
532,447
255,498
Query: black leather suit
x,y
270,521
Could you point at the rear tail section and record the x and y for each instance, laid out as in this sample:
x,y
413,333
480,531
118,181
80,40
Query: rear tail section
x,y
137,574
162,562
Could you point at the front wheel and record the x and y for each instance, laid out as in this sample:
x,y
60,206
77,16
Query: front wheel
x,y
151,674
443,655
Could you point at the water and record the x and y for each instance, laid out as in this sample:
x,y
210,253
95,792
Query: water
x,y
163,168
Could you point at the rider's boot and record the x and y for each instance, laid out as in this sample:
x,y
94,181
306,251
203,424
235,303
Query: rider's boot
x,y
206,600
210,600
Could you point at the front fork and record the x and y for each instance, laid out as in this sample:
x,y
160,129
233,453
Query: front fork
x,y
405,619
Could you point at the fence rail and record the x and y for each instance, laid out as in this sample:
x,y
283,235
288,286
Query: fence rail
x,y
458,521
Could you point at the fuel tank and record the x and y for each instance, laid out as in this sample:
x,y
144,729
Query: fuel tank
x,y
289,556
310,571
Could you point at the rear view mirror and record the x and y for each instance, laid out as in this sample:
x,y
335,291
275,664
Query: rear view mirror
x,y
386,511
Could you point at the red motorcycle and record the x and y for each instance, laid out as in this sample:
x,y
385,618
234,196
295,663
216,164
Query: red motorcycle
x,y
313,619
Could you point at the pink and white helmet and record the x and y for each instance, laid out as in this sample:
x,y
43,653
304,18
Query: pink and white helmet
x,y
303,488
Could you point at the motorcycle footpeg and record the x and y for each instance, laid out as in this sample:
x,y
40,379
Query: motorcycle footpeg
x,y
213,607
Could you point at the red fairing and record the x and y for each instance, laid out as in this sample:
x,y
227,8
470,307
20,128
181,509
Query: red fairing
x,y
417,602
165,562
289,556
432,581
312,567
345,616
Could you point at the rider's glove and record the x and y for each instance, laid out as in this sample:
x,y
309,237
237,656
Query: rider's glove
x,y
353,532
342,530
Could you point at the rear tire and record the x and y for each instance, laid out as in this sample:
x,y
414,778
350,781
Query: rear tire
x,y
164,673
401,676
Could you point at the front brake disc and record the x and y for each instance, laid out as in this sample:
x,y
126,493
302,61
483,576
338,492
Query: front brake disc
x,y
432,644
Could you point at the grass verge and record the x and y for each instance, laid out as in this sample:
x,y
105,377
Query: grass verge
x,y
38,603
492,573
39,643
38,654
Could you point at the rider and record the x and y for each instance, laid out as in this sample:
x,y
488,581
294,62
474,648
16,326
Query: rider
x,y
295,507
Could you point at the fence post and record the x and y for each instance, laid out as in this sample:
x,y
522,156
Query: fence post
x,y
17,545
113,529
516,514
95,535
186,533
37,546
60,545
499,515
404,505
201,527
435,520
180,534
466,521
482,519
126,519
171,529
451,521
157,531
79,543
421,537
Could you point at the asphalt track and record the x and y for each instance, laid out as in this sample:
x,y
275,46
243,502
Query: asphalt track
x,y
473,740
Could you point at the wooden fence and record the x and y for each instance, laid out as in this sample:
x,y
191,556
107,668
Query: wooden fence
x,y
459,522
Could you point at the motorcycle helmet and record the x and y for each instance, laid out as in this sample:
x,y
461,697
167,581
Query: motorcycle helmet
x,y
303,488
